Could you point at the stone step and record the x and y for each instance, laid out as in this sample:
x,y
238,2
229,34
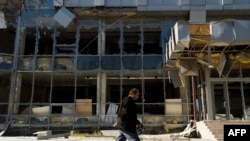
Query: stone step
x,y
227,121
216,127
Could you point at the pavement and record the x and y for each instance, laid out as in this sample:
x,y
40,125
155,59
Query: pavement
x,y
154,138
161,137
107,135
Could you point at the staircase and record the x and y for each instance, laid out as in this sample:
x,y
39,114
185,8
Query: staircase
x,y
214,129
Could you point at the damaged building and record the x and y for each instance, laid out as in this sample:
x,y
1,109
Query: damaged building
x,y
67,64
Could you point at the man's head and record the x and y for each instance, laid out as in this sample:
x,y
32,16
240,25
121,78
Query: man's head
x,y
134,93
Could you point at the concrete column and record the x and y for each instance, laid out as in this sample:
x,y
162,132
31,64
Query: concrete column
x,y
203,110
185,93
101,95
227,100
188,93
209,96
22,41
19,75
16,78
101,77
17,93
184,98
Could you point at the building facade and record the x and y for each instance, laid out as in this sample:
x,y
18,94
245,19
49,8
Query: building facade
x,y
69,63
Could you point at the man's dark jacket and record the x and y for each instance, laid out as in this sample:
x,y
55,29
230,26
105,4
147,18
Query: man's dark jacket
x,y
127,115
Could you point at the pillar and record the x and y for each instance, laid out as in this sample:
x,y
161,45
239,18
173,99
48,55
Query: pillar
x,y
209,96
101,76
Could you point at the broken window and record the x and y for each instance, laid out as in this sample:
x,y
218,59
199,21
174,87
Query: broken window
x,y
7,40
66,41
131,39
45,46
30,41
112,43
4,100
88,41
152,39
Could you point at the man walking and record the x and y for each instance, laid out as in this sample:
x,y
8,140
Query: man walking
x,y
127,118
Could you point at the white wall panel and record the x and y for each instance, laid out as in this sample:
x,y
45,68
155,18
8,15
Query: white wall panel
x,y
118,3
227,1
197,16
241,6
240,1
214,5
197,2
228,6
77,3
129,2
99,2
184,2
113,2
71,3
142,2
214,2
155,2
170,2
86,3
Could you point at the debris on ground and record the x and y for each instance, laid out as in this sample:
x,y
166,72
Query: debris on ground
x,y
190,131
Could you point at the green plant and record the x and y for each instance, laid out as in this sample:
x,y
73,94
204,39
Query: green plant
x,y
166,127
175,121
